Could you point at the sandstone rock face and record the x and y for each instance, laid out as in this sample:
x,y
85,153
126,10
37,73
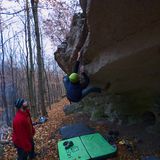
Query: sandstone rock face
x,y
120,41
66,52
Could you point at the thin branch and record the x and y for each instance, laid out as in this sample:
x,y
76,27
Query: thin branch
x,y
7,20
9,13
12,37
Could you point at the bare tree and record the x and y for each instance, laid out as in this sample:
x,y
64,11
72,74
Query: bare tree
x,y
34,5
32,96
10,48
24,70
58,24
2,74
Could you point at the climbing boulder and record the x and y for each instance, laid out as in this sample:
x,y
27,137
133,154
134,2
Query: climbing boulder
x,y
120,43
69,109
66,52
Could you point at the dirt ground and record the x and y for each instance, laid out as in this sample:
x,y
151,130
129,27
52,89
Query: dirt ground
x,y
133,142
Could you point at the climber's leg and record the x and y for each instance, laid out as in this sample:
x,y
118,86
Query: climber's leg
x,y
66,81
22,155
90,90
32,153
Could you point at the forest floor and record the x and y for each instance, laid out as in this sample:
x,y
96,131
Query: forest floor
x,y
47,135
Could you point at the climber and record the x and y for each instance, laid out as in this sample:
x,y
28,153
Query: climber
x,y
74,88
23,131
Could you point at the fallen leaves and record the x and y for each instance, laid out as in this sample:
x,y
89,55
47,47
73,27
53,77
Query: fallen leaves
x,y
47,136
45,142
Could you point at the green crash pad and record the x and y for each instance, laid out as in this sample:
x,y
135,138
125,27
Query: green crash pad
x,y
97,146
92,146
76,152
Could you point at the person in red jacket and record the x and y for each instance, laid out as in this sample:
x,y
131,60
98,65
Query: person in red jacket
x,y
23,131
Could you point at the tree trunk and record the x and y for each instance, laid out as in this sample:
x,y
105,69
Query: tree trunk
x,y
48,93
13,86
3,83
31,79
39,57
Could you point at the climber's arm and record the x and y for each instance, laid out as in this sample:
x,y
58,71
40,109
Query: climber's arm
x,y
76,67
66,81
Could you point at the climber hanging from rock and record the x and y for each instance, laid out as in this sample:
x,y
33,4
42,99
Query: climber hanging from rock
x,y
75,89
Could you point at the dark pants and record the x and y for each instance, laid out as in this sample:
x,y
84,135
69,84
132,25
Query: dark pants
x,y
32,152
22,155
89,90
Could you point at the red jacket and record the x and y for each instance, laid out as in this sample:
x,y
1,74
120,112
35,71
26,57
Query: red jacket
x,y
23,130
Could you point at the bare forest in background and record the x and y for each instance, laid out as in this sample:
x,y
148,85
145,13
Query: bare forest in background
x,y
26,69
